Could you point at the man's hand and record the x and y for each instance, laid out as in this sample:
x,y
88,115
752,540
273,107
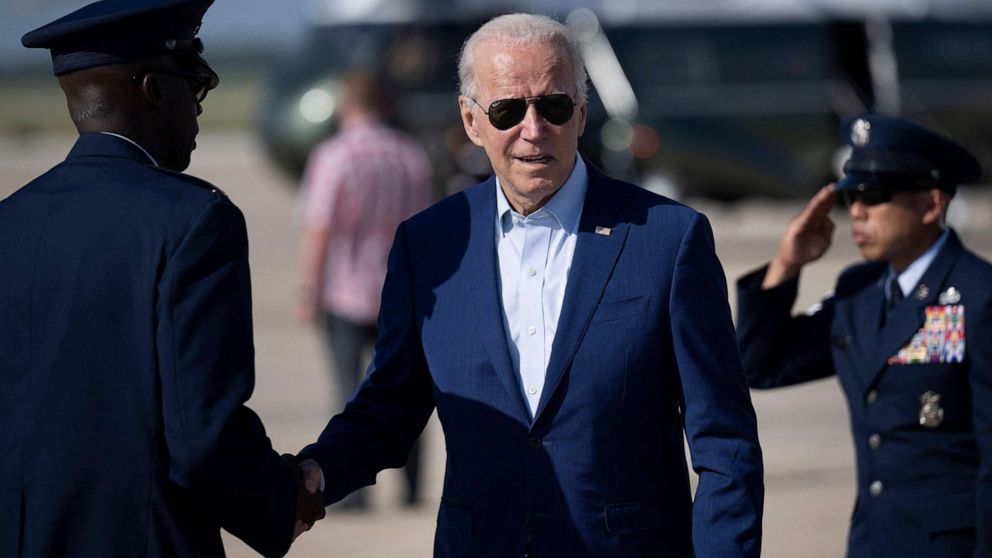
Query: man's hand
x,y
806,239
309,499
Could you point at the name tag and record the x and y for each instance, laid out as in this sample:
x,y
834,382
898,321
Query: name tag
x,y
940,340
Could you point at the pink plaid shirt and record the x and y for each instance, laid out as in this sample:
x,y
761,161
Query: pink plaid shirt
x,y
360,184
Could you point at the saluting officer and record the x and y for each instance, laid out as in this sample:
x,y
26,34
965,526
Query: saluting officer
x,y
908,332
125,317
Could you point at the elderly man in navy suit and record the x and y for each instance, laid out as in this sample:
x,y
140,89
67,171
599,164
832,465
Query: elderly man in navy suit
x,y
908,332
125,318
568,328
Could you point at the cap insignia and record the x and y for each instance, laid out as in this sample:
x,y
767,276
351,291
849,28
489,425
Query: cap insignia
x,y
861,132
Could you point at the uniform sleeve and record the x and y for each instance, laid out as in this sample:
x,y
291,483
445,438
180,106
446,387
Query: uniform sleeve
x,y
387,413
218,449
720,423
779,349
981,396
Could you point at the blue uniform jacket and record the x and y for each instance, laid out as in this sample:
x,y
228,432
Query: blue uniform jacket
x,y
125,361
922,490
645,345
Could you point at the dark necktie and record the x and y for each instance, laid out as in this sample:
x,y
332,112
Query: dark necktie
x,y
894,295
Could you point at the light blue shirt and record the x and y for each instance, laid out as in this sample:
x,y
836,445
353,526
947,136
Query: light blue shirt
x,y
914,272
535,254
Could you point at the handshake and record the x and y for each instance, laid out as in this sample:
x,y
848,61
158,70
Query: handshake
x,y
309,498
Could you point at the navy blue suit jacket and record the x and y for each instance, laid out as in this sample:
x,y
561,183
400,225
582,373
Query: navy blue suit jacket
x,y
645,346
125,359
933,486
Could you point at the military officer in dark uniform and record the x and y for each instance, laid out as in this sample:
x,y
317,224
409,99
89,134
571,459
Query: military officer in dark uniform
x,y
125,317
908,332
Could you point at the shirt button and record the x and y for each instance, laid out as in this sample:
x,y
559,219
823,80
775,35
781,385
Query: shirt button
x,y
532,390
531,330
531,272
872,396
516,221
874,441
875,489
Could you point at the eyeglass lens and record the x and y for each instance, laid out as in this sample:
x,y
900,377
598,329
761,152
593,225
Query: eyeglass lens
x,y
871,197
506,113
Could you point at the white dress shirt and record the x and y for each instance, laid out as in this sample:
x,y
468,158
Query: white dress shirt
x,y
535,254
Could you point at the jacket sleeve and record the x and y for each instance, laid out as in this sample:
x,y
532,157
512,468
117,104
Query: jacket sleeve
x,y
387,413
779,349
720,423
981,396
218,449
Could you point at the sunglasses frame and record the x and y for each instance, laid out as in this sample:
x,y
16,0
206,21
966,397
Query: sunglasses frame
x,y
538,101
201,83
868,197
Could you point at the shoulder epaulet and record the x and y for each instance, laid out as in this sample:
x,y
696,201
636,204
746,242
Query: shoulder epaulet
x,y
189,179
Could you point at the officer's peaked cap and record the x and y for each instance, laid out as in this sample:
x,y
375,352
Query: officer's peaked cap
x,y
897,154
121,31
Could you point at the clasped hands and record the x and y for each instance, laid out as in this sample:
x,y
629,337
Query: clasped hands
x,y
309,498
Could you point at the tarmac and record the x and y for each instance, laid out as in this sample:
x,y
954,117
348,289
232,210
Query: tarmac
x,y
809,461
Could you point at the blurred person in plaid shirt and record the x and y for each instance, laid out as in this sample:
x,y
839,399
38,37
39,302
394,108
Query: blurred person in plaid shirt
x,y
358,186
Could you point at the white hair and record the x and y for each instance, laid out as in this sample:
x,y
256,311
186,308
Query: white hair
x,y
522,29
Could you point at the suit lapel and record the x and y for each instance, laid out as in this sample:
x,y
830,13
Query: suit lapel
x,y
486,305
907,318
592,264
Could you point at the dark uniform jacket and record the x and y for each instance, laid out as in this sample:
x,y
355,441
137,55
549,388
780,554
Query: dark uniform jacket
x,y
125,361
922,430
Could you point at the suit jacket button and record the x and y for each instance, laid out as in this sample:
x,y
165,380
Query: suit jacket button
x,y
842,342
534,442
874,441
875,489
872,396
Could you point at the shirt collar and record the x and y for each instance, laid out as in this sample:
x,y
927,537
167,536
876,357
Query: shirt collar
x,y
914,272
134,143
565,206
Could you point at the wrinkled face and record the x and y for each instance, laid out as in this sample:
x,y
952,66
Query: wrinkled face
x,y
533,158
898,230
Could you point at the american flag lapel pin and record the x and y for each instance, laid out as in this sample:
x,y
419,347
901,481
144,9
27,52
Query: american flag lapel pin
x,y
605,231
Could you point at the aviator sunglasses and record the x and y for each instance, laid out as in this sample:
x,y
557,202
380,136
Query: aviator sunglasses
x,y
878,195
875,196
506,113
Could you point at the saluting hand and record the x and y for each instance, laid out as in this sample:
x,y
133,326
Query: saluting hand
x,y
806,239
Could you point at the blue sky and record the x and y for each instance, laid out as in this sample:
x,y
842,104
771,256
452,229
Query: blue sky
x,y
229,23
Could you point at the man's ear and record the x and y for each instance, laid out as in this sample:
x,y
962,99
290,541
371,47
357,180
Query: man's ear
x,y
151,89
937,201
583,110
469,120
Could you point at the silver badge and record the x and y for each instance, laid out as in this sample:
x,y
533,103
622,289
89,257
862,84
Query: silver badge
x,y
861,132
931,413
950,296
922,292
